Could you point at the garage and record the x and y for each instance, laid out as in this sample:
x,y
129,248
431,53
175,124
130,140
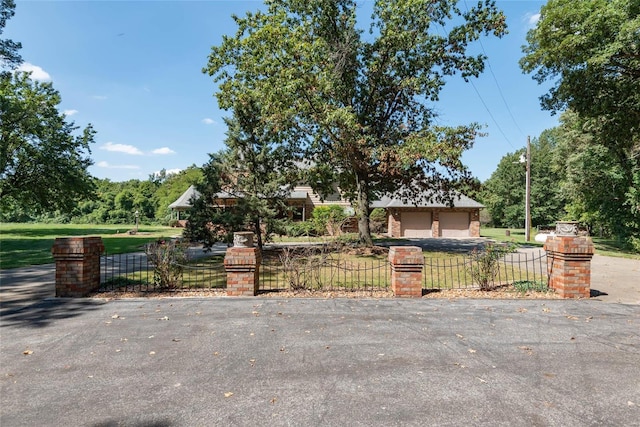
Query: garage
x,y
454,224
416,224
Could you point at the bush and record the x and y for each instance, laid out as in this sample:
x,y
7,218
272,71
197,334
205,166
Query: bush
x,y
327,219
530,286
378,220
167,258
485,264
298,229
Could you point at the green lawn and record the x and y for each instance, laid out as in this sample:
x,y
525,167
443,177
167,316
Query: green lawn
x,y
608,247
22,245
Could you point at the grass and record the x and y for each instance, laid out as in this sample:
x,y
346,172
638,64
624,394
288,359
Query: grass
x,y
22,245
607,247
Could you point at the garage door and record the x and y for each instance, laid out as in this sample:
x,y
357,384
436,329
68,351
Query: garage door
x,y
416,224
454,224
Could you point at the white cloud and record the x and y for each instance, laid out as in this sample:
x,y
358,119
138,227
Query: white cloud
x,y
163,150
37,73
208,121
532,19
70,112
108,166
121,148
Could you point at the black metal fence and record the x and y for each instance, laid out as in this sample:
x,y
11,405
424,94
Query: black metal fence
x,y
325,272
472,272
134,273
331,273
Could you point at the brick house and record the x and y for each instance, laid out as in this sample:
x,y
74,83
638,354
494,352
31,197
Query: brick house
x,y
405,219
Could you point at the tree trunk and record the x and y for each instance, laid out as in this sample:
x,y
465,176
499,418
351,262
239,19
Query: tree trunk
x,y
258,232
362,211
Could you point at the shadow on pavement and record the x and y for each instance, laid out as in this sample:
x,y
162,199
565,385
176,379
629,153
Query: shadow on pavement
x,y
458,246
45,312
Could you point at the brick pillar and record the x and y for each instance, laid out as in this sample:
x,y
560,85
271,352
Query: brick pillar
x,y
474,226
569,265
393,227
435,224
407,263
242,263
77,265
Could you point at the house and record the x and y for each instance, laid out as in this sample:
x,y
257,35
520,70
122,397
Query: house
x,y
431,219
405,218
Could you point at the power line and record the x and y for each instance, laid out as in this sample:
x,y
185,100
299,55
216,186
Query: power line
x,y
491,115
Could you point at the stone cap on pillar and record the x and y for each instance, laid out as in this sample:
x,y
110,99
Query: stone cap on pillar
x,y
243,239
576,245
403,255
77,246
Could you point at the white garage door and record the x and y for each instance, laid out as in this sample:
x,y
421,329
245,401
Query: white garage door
x,y
416,224
454,224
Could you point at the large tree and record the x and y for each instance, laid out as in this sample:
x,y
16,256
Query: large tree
x,y
590,49
504,192
43,161
9,56
360,104
256,171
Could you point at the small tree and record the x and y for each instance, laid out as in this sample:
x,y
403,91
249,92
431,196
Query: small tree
x,y
255,172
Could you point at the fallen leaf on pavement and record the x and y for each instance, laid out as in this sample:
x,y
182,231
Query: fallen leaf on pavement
x,y
228,394
27,352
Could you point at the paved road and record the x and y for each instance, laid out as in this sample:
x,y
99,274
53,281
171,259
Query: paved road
x,y
612,279
253,361
296,362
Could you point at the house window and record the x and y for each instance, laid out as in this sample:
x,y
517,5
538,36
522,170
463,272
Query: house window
x,y
297,213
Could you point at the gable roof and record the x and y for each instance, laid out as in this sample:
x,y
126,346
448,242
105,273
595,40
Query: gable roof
x,y
184,201
459,201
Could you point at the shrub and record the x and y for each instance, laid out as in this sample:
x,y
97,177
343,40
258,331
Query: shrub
x,y
530,286
327,219
167,258
485,264
378,220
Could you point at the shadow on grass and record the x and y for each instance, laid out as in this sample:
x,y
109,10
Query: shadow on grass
x,y
42,313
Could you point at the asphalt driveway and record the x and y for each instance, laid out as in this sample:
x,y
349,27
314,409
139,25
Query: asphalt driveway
x,y
250,362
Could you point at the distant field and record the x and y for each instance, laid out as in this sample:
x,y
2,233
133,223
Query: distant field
x,y
30,244
608,247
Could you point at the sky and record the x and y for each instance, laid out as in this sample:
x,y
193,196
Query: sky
x,y
133,69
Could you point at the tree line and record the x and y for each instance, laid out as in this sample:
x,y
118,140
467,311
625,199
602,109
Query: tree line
x,y
356,98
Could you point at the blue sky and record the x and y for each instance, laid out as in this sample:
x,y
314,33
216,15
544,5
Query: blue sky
x,y
133,70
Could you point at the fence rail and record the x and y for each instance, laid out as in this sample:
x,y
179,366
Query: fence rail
x,y
134,273
457,272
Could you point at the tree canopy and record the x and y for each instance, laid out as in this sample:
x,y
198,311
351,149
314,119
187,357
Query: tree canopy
x,y
256,170
43,162
9,56
504,192
591,50
359,105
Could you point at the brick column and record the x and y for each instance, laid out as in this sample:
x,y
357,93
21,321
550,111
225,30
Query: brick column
x,y
77,265
474,226
569,265
393,227
407,263
242,263
435,224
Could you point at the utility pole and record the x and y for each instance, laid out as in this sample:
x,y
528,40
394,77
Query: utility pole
x,y
527,218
